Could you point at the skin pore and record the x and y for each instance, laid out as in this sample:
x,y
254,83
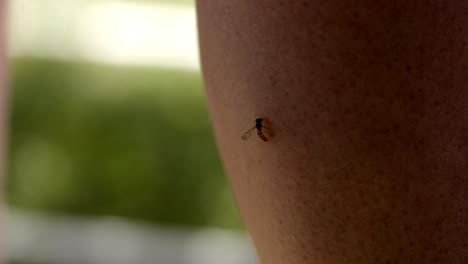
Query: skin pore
x,y
368,101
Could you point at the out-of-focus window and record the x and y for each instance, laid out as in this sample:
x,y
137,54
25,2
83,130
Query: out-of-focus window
x,y
111,155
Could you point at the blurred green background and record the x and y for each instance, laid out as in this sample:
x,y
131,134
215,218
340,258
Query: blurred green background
x,y
111,155
136,142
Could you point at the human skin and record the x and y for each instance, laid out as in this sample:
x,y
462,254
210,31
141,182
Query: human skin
x,y
369,102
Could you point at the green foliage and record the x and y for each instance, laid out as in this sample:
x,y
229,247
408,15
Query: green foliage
x,y
106,140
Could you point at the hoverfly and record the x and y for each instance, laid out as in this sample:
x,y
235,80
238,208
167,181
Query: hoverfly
x,y
263,132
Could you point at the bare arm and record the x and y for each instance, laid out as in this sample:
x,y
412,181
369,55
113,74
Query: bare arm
x,y
368,100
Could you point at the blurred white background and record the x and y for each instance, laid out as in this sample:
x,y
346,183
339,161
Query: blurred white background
x,y
106,31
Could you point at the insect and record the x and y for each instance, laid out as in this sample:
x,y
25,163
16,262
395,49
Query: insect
x,y
263,132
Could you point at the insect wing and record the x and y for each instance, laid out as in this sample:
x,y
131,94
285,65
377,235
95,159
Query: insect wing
x,y
248,133
268,131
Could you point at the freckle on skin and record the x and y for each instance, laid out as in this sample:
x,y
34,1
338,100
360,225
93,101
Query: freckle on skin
x,y
409,68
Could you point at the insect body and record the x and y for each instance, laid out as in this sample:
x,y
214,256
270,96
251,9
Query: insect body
x,y
262,131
